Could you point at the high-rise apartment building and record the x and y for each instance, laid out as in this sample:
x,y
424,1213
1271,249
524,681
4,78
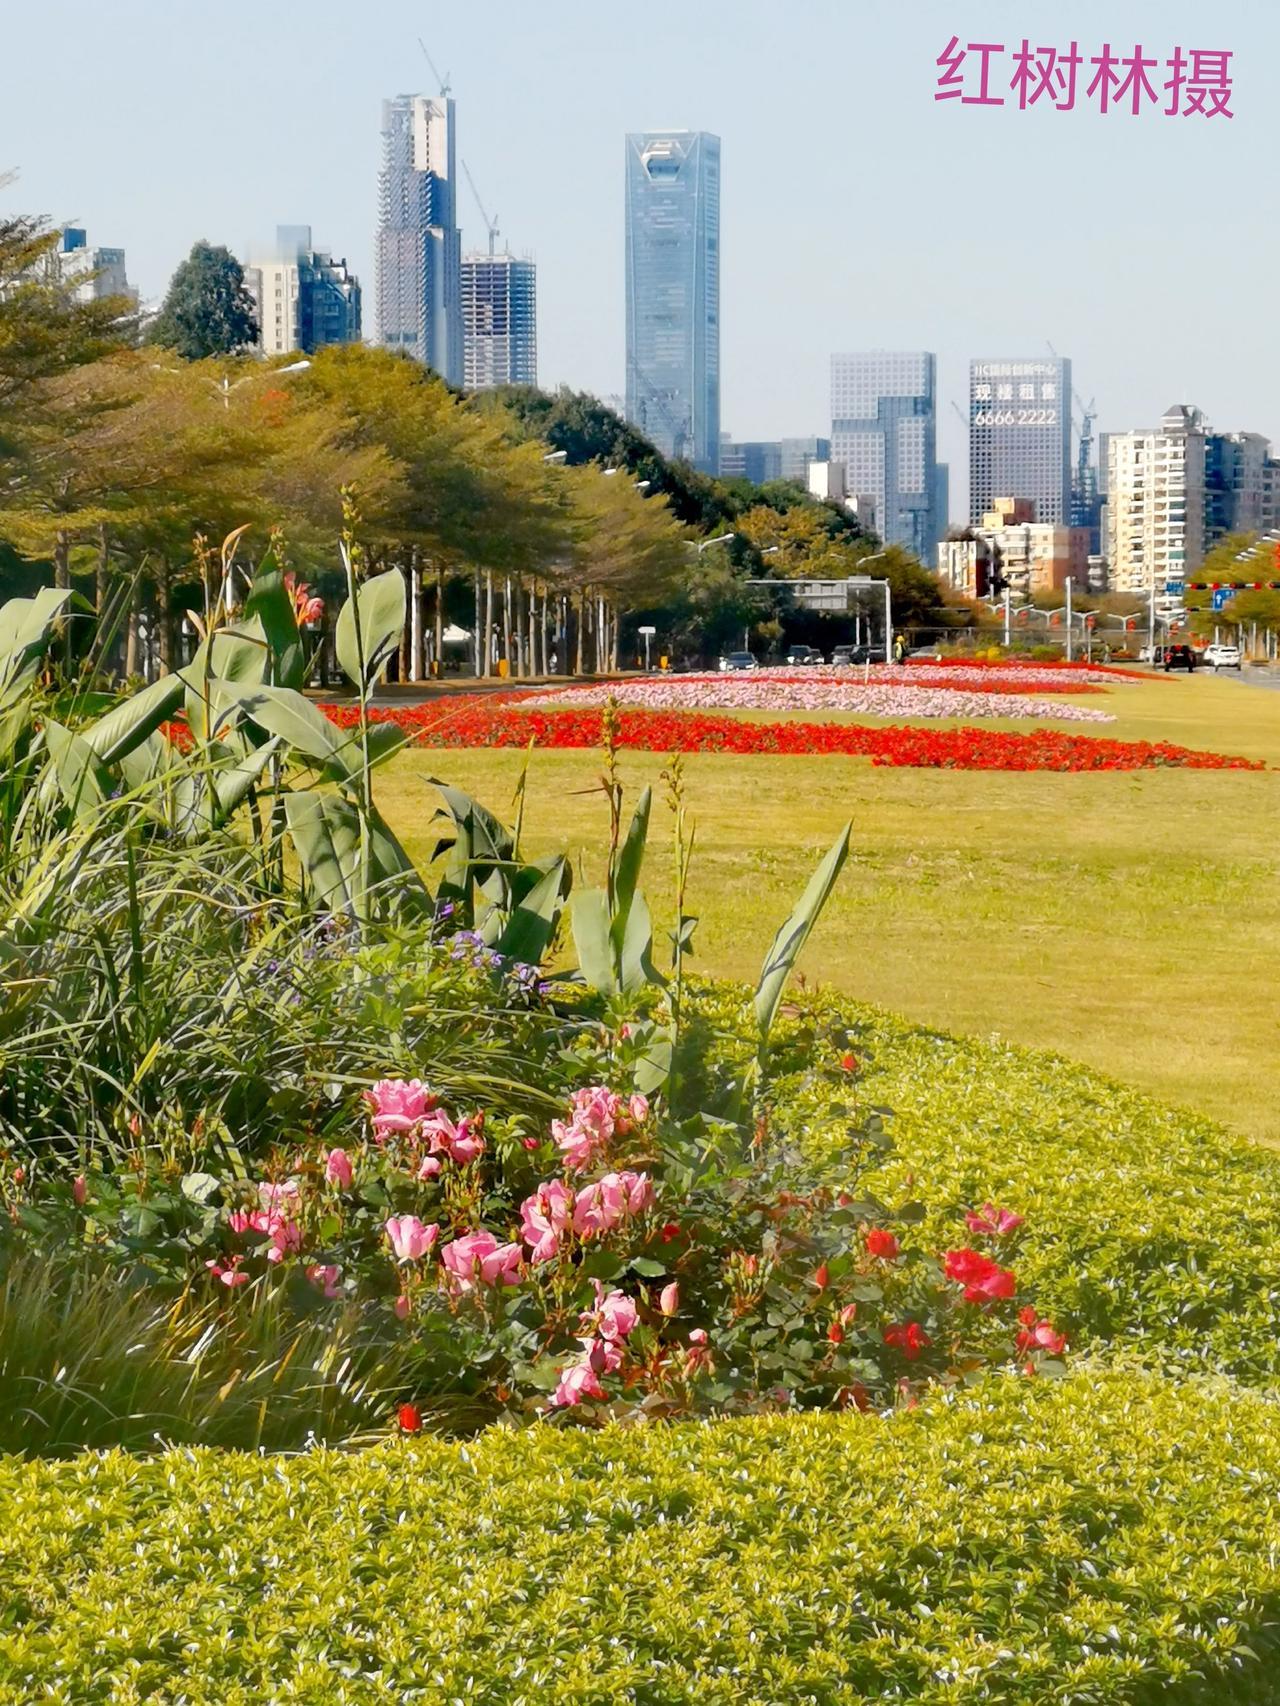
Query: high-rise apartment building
x,y
304,298
1174,491
1020,436
673,292
500,321
1235,484
884,431
91,274
419,245
1155,510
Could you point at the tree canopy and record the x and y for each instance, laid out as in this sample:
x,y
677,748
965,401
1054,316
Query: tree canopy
x,y
207,310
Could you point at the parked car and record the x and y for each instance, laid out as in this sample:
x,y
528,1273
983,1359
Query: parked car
x,y
803,657
739,660
848,655
1223,657
1177,657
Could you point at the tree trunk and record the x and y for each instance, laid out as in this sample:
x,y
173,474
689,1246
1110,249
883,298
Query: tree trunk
x,y
164,614
488,621
437,662
416,664
131,635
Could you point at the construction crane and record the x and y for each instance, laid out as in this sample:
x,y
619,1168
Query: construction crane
x,y
491,225
444,82
1085,484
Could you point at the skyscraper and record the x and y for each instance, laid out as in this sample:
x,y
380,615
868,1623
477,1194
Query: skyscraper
x,y
305,299
500,317
419,247
1020,436
673,292
884,431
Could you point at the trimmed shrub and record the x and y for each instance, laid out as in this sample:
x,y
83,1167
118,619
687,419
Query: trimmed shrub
x,y
1108,1538
1146,1226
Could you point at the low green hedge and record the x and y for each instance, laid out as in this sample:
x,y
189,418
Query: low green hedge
x,y
1108,1538
1146,1227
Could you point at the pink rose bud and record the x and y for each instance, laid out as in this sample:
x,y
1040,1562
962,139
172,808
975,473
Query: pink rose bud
x,y
669,1300
338,1169
402,1307
79,1189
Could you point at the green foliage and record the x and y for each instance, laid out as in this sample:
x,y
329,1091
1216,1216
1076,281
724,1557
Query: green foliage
x,y
794,933
1109,1539
207,310
91,1359
514,908
45,331
1147,1228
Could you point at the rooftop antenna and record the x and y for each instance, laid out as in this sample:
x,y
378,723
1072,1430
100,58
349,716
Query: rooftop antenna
x,y
491,225
444,82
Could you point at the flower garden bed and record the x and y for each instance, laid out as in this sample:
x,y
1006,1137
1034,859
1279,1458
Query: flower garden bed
x,y
893,693
491,720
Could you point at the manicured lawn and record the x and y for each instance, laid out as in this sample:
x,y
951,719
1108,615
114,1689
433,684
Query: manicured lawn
x,y
1131,921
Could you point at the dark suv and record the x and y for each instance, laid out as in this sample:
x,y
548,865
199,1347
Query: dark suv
x,y
1177,657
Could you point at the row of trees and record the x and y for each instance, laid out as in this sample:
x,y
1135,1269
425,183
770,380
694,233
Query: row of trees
x,y
545,525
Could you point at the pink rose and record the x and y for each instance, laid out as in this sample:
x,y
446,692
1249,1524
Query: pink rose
x,y
410,1239
397,1106
545,1218
479,1258
338,1169
326,1278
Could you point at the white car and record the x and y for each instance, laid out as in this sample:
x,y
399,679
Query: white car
x,y
1223,657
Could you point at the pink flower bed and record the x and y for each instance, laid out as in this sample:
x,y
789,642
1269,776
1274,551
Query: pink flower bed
x,y
890,692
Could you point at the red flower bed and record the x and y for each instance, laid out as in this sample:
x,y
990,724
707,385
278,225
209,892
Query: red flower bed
x,y
498,720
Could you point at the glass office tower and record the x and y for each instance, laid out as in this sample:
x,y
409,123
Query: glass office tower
x,y
1020,436
673,292
884,432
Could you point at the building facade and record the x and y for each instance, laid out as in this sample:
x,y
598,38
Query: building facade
x,y
1174,491
90,274
1155,509
500,321
795,455
1030,555
884,431
1236,498
673,292
304,298
418,254
1020,436
757,460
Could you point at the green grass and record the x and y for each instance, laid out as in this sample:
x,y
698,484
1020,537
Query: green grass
x,y
1109,1539
1131,921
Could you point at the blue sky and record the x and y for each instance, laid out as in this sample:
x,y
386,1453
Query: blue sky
x,y
858,212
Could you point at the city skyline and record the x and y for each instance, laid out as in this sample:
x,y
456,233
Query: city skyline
x,y
1050,258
